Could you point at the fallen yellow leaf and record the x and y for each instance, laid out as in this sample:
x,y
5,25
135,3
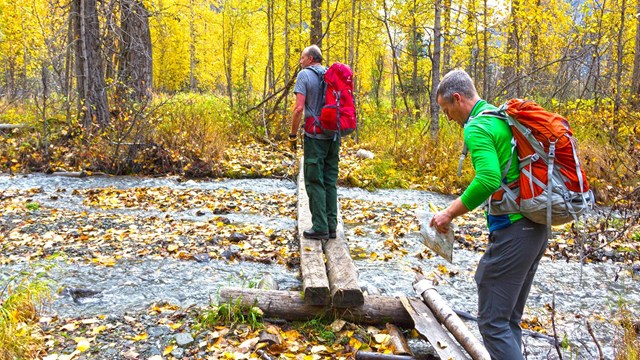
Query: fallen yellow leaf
x,y
98,329
172,247
168,350
69,327
82,344
381,338
140,337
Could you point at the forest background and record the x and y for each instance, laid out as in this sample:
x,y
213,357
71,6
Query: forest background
x,y
169,86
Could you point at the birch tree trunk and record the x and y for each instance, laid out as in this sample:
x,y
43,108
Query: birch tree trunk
x,y
619,65
351,33
316,22
228,24
415,89
90,82
446,41
635,78
511,73
485,53
435,71
135,65
193,84
394,57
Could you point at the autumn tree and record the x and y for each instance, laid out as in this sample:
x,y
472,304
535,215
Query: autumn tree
x,y
435,70
90,82
316,23
635,79
135,65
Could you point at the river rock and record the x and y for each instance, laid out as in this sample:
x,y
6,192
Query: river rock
x,y
158,331
202,258
77,294
110,352
223,220
364,154
215,240
237,237
178,353
154,351
231,252
184,339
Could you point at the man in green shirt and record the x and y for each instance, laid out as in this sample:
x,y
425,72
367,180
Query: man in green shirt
x,y
516,244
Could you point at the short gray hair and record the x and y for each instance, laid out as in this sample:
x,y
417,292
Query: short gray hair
x,y
313,51
456,81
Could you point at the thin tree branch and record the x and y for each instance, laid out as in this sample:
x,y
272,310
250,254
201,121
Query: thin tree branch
x,y
595,340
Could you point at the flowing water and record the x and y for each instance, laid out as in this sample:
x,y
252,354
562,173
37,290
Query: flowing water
x,y
132,285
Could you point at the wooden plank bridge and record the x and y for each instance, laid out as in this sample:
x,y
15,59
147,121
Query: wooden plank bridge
x,y
330,287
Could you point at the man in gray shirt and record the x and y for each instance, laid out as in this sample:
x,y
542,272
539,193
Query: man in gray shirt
x,y
321,151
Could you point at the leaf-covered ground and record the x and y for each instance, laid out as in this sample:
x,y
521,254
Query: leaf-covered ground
x,y
107,225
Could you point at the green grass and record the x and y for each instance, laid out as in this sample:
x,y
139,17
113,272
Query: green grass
x,y
318,329
231,314
627,345
32,206
20,300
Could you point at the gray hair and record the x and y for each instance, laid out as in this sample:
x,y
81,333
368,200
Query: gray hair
x,y
456,81
313,51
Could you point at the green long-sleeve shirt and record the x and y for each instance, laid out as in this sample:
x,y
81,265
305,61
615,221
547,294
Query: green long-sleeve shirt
x,y
489,142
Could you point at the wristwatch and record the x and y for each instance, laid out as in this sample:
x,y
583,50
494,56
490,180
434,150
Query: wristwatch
x,y
293,136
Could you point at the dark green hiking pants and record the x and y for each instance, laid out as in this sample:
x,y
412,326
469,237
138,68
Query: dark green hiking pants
x,y
321,159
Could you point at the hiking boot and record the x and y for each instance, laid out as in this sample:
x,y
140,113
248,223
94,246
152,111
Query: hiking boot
x,y
316,235
332,234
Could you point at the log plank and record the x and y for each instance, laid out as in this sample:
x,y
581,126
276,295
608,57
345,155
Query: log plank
x,y
342,272
290,306
449,319
315,283
427,325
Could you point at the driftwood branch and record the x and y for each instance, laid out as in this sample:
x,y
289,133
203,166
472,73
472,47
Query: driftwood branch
x,y
13,126
553,324
590,329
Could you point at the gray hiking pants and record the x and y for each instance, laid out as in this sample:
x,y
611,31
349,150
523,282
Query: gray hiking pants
x,y
504,276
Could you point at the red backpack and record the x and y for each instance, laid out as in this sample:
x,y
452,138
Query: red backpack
x,y
338,116
545,145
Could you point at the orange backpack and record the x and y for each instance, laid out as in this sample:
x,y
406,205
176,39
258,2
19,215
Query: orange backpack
x,y
545,145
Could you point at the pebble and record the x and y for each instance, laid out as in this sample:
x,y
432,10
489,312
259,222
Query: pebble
x,y
178,353
158,331
202,258
237,237
183,339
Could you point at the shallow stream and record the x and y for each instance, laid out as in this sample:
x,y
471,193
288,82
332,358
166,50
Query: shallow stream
x,y
132,285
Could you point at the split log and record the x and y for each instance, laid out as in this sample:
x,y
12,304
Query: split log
x,y
427,325
343,275
366,355
315,283
400,346
290,306
449,319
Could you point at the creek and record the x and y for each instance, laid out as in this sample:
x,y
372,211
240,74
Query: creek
x,y
134,284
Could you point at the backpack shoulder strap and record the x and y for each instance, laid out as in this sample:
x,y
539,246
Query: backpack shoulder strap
x,y
500,114
465,150
323,85
318,72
